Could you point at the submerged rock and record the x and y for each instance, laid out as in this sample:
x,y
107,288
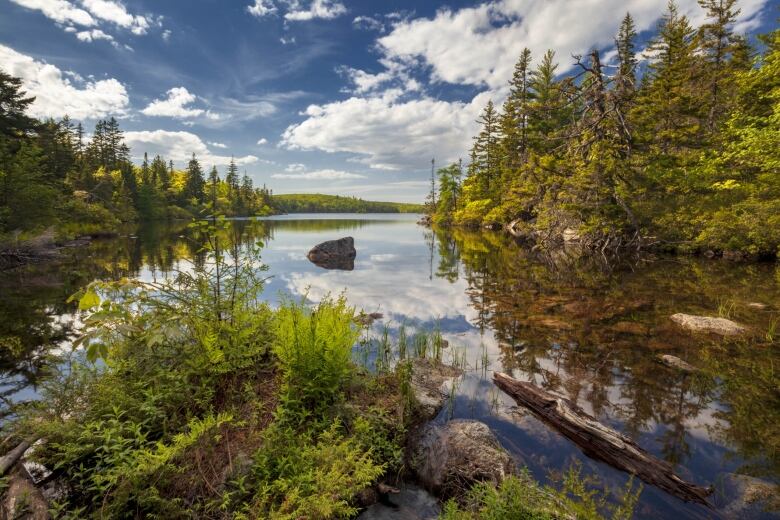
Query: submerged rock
x,y
334,254
410,503
720,326
630,327
449,458
428,379
675,362
747,498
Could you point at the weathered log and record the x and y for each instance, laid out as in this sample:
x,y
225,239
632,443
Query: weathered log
x,y
599,441
10,459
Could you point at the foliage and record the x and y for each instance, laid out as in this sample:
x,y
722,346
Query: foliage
x,y
314,348
187,376
520,497
316,203
686,156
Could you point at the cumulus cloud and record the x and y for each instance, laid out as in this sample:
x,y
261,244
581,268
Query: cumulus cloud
x,y
298,10
174,105
262,141
420,129
94,34
325,9
217,145
178,146
479,45
116,13
319,175
60,11
261,8
59,93
91,13
368,23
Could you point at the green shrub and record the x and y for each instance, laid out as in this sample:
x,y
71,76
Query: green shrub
x,y
314,348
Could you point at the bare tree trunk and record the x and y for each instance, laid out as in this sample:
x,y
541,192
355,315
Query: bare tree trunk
x,y
599,441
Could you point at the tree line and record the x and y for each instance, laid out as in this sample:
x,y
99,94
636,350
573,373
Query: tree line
x,y
50,173
680,150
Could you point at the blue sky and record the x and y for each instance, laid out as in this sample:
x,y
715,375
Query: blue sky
x,y
331,96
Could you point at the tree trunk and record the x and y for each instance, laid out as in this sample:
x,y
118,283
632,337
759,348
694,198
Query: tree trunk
x,y
599,441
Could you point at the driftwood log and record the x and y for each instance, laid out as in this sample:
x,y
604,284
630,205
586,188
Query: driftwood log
x,y
10,459
599,441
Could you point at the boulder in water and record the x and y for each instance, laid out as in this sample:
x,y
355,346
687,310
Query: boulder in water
x,y
720,326
428,379
449,458
334,254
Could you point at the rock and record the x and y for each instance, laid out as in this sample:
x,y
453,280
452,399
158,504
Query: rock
x,y
675,362
334,254
22,499
428,378
571,235
425,220
630,327
720,326
449,458
746,498
411,503
550,322
735,256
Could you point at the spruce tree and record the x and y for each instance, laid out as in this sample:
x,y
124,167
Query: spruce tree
x,y
194,183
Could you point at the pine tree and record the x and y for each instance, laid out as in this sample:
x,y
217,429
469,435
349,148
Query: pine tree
x,y
145,171
194,183
231,177
514,117
718,44
14,123
670,111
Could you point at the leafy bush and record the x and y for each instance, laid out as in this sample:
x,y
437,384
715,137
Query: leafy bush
x,y
314,347
522,498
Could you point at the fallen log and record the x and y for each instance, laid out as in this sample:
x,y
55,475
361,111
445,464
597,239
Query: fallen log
x,y
10,459
599,441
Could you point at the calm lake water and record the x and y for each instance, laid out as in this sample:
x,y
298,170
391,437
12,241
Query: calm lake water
x,y
580,326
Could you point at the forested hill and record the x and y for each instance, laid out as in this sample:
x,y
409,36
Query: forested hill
x,y
316,203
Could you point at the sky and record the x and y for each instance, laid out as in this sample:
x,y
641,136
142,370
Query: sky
x,y
342,97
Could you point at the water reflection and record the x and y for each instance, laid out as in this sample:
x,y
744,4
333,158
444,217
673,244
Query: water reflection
x,y
577,325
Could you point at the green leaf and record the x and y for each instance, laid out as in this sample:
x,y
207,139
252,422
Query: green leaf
x,y
89,300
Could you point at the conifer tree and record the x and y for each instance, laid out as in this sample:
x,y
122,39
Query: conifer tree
x,y
194,184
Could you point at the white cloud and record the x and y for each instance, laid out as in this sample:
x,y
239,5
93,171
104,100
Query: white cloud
x,y
217,145
90,14
262,141
368,23
116,13
178,146
420,129
287,41
61,11
295,167
325,9
479,45
57,96
94,34
325,174
261,8
174,105
166,35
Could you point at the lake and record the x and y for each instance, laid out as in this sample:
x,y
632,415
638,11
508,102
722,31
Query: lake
x,y
579,325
